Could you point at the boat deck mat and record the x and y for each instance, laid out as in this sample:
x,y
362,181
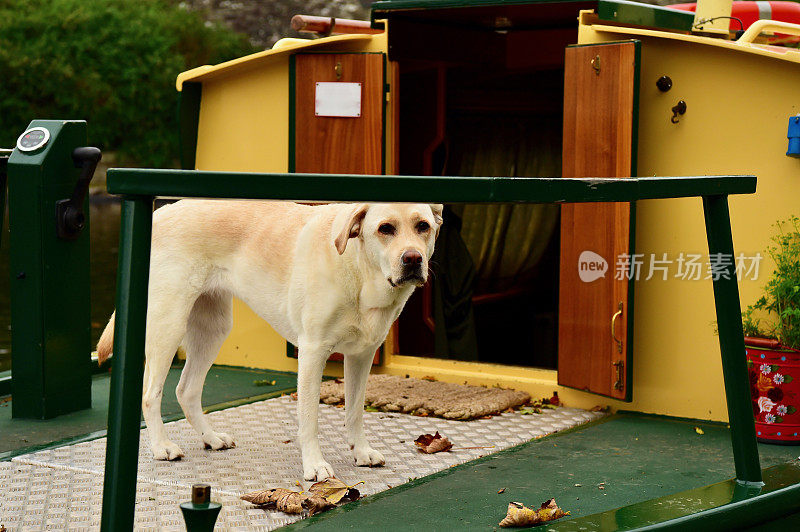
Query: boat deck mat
x,y
61,487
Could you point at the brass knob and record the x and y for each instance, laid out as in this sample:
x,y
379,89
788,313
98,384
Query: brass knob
x,y
201,494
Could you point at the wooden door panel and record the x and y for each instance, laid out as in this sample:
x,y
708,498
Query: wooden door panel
x,y
600,100
335,144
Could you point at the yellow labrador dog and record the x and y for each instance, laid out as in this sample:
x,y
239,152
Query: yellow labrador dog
x,y
328,278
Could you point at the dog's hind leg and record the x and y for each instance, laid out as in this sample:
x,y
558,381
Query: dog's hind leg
x,y
210,321
164,334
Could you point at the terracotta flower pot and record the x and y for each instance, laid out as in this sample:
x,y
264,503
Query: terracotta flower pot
x,y
774,373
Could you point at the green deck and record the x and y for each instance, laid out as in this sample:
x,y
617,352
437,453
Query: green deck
x,y
635,458
225,386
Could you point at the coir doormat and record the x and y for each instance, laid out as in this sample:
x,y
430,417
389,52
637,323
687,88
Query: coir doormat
x,y
391,393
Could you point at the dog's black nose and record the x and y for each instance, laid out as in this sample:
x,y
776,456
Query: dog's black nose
x,y
411,258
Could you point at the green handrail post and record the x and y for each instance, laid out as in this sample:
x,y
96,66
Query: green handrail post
x,y
731,342
127,371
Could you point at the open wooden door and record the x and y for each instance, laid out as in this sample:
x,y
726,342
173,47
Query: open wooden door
x,y
601,85
337,124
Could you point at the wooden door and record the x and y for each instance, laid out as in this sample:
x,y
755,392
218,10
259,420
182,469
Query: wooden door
x,y
596,287
336,144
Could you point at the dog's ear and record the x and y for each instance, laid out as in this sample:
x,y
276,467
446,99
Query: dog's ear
x,y
351,227
437,209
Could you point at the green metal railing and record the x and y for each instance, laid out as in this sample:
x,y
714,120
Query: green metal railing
x,y
139,187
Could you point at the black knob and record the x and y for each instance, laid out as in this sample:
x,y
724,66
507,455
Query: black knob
x,y
664,83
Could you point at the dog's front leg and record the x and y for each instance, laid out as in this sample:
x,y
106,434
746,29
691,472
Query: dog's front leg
x,y
356,371
311,362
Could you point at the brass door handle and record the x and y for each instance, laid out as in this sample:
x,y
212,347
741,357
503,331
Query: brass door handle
x,y
613,327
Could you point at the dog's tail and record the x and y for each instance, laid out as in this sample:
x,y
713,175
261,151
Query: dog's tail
x,y
106,343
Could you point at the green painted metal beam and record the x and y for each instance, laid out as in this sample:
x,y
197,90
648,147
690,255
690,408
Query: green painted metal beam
x,y
339,187
636,13
731,340
387,6
124,411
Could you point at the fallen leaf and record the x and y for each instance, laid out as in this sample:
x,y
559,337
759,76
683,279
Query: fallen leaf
x,y
430,444
315,504
501,490
370,408
288,501
337,380
430,378
529,410
598,408
520,515
334,490
284,500
265,382
699,430
286,441
293,395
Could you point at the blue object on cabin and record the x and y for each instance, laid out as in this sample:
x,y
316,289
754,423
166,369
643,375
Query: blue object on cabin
x,y
794,136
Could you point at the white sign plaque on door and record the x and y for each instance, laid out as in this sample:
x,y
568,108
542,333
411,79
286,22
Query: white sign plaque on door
x,y
337,98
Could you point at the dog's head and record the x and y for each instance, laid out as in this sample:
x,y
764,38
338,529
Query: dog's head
x,y
398,238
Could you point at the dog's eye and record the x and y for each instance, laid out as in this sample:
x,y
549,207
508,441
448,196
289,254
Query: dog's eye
x,y
423,226
386,229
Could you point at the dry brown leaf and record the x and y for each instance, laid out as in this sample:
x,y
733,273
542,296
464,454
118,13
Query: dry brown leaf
x,y
283,499
334,490
501,490
520,515
430,444
316,504
288,501
429,378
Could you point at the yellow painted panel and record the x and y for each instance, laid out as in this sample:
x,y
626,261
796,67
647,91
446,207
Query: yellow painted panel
x,y
738,105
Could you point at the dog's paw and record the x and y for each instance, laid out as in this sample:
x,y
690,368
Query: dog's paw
x,y
367,456
217,441
167,451
318,471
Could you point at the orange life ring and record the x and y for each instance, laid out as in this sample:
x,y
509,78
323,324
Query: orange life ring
x,y
749,12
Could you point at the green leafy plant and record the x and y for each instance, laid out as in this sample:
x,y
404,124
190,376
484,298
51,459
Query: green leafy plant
x,y
110,62
781,299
